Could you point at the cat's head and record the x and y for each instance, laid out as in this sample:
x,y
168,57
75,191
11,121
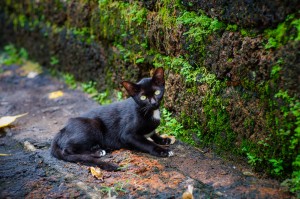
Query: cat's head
x,y
148,92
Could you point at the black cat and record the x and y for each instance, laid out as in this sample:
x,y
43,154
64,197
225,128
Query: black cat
x,y
124,124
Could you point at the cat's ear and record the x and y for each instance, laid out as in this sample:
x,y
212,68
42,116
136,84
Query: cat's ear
x,y
131,88
158,77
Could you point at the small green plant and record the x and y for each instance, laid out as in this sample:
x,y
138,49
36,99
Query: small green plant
x,y
169,124
70,80
119,96
54,61
90,88
232,27
12,55
277,167
103,97
252,159
276,69
116,189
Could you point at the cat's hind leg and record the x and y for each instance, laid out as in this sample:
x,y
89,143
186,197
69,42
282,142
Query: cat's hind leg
x,y
89,158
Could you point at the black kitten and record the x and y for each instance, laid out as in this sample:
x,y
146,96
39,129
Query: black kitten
x,y
124,124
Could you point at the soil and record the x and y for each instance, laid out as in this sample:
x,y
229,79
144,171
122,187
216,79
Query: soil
x,y
29,171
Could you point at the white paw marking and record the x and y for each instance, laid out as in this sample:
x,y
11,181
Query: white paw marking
x,y
102,153
156,114
170,154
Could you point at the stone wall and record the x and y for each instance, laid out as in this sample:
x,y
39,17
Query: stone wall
x,y
232,67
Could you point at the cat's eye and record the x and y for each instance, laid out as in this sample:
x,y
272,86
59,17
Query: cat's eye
x,y
157,92
143,97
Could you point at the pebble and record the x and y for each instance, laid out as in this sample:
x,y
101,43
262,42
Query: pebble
x,y
28,146
248,173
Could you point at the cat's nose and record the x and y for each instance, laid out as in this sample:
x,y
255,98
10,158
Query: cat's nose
x,y
154,103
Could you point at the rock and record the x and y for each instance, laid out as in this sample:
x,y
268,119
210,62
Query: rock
x,y
248,173
28,146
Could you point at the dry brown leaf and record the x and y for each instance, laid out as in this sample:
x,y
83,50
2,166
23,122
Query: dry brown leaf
x,y
173,139
188,194
7,120
96,172
55,94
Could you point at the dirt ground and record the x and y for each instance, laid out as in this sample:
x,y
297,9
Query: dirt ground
x,y
29,171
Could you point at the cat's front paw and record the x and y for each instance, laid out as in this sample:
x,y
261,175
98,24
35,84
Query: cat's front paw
x,y
102,153
99,153
165,141
161,152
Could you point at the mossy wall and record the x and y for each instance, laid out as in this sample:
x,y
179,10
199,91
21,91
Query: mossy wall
x,y
232,67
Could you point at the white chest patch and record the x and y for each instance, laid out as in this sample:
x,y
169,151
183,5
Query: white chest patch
x,y
156,114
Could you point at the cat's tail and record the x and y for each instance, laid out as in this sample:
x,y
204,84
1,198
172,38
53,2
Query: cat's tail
x,y
57,152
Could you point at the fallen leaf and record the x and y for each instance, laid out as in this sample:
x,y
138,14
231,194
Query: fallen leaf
x,y
7,120
96,172
173,139
4,154
188,194
55,94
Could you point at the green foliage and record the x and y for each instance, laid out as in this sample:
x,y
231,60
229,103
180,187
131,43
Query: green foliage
x,y
119,96
115,189
54,61
247,33
12,55
296,177
276,69
277,166
120,20
169,124
200,26
84,34
101,98
283,33
220,132
70,80
296,24
89,87
252,159
232,27
288,134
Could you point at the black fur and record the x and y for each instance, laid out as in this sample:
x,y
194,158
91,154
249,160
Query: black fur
x,y
118,125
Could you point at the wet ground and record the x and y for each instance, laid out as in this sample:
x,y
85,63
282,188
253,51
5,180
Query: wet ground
x,y
29,171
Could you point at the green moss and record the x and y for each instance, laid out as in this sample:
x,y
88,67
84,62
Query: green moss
x,y
283,33
200,27
119,21
247,33
232,27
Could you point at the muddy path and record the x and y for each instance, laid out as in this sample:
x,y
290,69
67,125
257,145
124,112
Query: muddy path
x,y
29,171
